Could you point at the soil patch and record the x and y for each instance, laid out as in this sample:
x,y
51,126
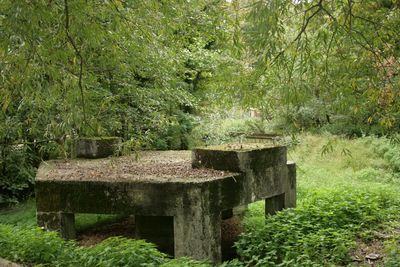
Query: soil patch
x,y
368,254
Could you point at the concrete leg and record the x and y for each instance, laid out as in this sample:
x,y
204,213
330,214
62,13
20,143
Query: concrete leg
x,y
290,186
274,204
198,235
158,230
58,221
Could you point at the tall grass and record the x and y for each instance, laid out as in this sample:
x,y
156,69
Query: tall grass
x,y
348,191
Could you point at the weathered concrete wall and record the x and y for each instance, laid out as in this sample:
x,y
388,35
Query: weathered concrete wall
x,y
96,147
290,187
265,171
146,199
187,213
158,230
58,221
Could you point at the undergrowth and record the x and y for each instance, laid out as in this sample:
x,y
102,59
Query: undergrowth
x,y
347,192
33,246
320,232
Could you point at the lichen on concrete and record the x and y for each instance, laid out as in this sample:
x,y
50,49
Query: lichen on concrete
x,y
96,147
185,203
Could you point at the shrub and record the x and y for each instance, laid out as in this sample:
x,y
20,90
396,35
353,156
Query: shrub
x,y
372,175
174,134
33,245
392,248
389,150
17,173
319,232
219,131
185,262
42,248
118,251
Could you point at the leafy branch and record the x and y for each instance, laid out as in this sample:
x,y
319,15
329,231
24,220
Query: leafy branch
x,y
78,54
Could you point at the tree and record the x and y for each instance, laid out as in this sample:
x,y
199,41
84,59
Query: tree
x,y
71,68
327,61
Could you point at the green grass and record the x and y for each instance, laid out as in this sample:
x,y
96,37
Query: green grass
x,y
347,193
329,161
24,215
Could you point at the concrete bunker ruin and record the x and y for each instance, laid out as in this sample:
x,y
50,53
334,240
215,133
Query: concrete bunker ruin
x,y
177,197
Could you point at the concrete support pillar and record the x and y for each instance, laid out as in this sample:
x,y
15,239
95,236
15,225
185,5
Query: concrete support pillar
x,y
287,199
198,235
58,221
290,185
158,230
274,204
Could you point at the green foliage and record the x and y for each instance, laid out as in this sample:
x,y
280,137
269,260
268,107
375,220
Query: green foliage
x,y
130,69
318,233
16,173
392,248
22,214
32,245
127,72
117,251
185,262
217,129
325,63
175,135
341,198
389,150
35,246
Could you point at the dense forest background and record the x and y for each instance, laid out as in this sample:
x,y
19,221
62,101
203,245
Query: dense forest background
x,y
153,72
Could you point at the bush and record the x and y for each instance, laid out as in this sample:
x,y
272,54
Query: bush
x,y
392,248
389,150
33,245
17,173
218,131
174,134
118,251
38,247
320,232
185,262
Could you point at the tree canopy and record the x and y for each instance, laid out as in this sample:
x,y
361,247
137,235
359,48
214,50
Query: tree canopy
x,y
326,60
140,70
115,67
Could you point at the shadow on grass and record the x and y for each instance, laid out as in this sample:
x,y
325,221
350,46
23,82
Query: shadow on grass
x,y
24,214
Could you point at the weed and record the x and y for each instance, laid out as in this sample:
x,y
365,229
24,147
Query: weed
x,y
321,231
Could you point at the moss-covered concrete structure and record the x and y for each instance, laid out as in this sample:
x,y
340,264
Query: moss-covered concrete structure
x,y
177,197
99,147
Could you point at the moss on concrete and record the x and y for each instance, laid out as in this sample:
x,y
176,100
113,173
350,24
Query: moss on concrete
x,y
236,147
96,147
195,205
